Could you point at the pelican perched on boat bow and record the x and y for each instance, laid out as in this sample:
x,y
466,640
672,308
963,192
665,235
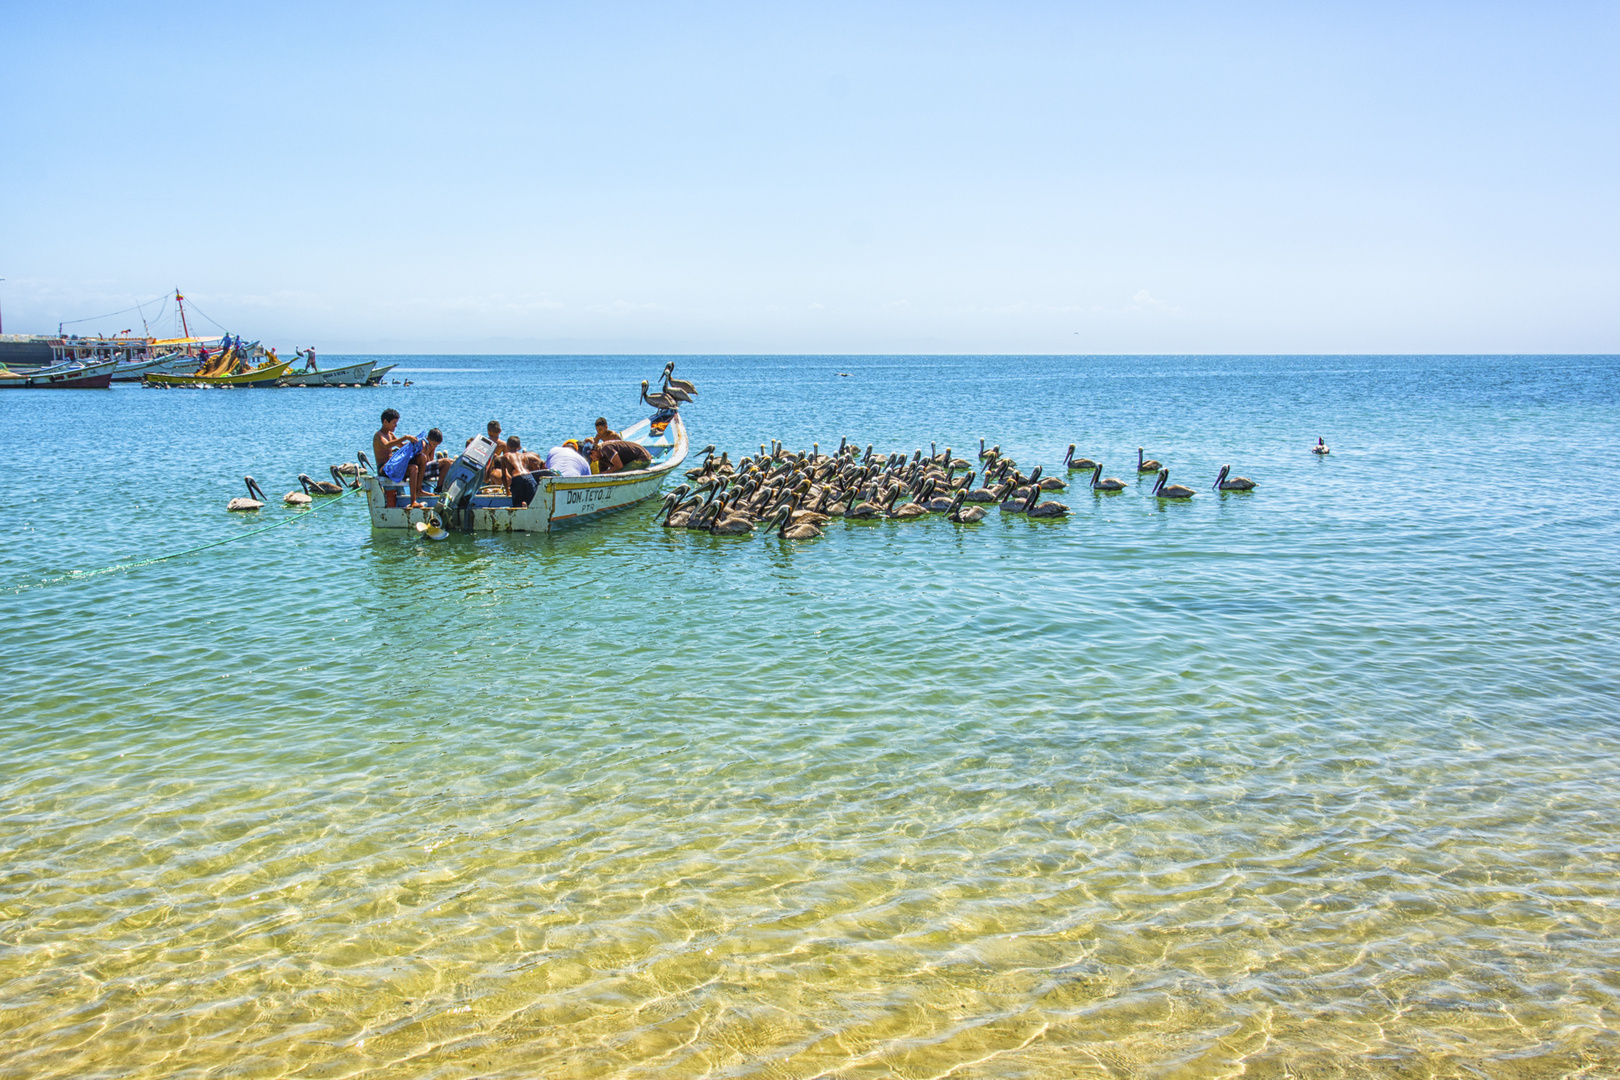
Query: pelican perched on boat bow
x,y
657,401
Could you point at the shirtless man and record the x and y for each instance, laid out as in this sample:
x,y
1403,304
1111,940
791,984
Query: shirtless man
x,y
417,472
384,443
603,432
519,465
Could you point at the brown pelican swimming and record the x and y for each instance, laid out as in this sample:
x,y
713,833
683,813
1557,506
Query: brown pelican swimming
x,y
804,531
1320,447
1077,463
1110,485
678,513
1236,483
1146,466
256,498
1164,490
296,498
319,487
906,512
963,515
730,524
1036,509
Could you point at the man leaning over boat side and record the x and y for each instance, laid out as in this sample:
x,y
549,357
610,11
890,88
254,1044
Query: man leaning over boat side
x,y
617,455
566,460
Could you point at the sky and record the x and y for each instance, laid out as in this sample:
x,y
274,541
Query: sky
x,y
819,178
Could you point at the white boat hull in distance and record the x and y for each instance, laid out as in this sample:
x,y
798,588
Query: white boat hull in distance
x,y
560,500
353,375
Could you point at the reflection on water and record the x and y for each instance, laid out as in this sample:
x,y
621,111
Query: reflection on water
x,y
1313,782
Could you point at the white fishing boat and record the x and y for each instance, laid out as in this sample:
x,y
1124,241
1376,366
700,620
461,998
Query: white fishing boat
x,y
352,375
467,505
376,377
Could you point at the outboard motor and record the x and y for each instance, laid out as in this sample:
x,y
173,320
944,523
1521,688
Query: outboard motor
x,y
462,481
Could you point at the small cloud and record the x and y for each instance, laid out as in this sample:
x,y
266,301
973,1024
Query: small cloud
x,y
816,307
897,305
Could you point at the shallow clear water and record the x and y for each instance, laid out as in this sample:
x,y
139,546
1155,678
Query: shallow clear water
x,y
1313,781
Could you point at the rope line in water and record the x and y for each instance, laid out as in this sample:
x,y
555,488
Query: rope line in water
x,y
80,575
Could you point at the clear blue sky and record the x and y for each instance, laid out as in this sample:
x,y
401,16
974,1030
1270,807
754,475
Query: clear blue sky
x,y
821,178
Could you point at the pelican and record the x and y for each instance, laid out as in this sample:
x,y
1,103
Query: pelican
x,y
735,525
296,498
679,384
255,500
1077,463
963,515
1320,447
1111,485
657,401
319,487
907,512
1043,510
804,531
1236,483
1012,502
1146,466
1165,490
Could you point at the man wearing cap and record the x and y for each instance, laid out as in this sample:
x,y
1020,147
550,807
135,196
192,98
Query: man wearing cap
x,y
566,460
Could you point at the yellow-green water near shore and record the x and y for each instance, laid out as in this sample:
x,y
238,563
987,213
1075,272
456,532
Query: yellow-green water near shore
x,y
1317,781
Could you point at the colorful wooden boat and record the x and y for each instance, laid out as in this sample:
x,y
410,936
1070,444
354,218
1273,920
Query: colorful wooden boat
x,y
559,500
267,375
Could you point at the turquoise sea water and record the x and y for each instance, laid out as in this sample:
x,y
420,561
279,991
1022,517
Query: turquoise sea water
x,y
1314,781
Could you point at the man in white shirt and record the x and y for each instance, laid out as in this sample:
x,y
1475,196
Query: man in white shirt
x,y
566,460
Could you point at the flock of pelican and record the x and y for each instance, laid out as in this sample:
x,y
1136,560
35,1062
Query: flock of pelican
x,y
797,493
256,498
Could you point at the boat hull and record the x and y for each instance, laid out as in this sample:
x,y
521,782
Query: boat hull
x,y
268,375
560,501
353,375
58,382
